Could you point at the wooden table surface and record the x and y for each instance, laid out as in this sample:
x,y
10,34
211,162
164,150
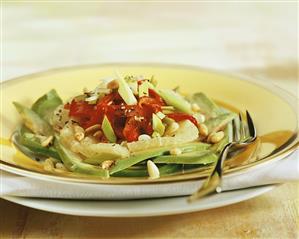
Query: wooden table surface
x,y
258,39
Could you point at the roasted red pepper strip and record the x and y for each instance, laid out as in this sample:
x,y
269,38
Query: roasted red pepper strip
x,y
156,96
128,121
132,130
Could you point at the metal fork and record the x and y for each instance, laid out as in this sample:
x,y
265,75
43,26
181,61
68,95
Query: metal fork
x,y
240,140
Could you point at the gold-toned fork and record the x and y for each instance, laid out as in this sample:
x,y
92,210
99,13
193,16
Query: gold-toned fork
x,y
240,140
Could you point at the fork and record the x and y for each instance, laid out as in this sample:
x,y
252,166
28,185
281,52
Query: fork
x,y
212,183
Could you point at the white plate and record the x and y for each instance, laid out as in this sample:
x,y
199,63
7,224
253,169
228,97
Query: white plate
x,y
139,208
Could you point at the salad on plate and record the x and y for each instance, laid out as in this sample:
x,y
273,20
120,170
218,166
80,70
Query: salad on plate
x,y
125,127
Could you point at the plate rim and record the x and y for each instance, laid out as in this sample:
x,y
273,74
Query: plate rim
x,y
251,193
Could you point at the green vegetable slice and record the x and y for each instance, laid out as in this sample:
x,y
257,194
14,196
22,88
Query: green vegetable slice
x,y
143,89
169,169
30,146
108,130
125,92
174,99
202,157
46,104
30,141
136,158
164,170
33,121
206,105
140,156
131,173
73,163
219,122
158,126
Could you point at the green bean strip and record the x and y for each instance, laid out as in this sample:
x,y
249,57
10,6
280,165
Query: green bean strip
x,y
164,171
136,158
169,169
208,106
204,157
139,157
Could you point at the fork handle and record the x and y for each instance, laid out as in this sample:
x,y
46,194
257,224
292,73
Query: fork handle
x,y
212,183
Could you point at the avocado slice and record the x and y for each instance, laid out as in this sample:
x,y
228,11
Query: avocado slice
x,y
158,126
33,121
46,104
125,92
73,162
108,130
174,99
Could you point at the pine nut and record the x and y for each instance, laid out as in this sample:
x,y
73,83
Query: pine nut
x,y
175,151
113,85
107,164
92,99
47,141
48,165
60,166
171,129
79,132
152,170
144,137
203,130
200,118
195,107
216,137
92,129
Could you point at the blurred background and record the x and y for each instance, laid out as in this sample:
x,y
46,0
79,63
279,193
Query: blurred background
x,y
259,39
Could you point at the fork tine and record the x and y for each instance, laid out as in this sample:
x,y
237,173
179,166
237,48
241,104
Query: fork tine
x,y
242,128
236,135
251,127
